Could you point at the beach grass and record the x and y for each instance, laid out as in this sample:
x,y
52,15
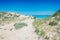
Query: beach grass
x,y
37,22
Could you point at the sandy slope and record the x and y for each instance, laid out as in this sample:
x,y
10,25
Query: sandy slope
x,y
25,33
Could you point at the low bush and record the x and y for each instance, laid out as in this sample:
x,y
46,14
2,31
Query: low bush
x,y
39,31
19,25
53,23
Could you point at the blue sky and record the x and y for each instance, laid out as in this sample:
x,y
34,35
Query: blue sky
x,y
30,7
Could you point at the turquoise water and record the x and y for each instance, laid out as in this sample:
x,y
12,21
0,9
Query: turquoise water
x,y
41,16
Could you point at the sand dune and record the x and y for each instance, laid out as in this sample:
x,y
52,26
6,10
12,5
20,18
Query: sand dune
x,y
25,33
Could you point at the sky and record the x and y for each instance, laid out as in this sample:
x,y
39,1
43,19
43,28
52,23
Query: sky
x,y
30,7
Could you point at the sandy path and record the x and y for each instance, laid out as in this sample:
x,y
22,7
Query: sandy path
x,y
25,33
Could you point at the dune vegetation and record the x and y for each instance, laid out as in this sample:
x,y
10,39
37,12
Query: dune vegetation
x,y
19,25
46,28
49,26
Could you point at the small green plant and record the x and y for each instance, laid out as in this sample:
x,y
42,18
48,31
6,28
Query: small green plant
x,y
39,31
58,19
19,25
47,38
53,23
42,33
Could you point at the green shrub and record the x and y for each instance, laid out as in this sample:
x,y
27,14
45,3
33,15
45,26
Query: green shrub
x,y
42,33
46,37
19,25
53,23
39,31
58,18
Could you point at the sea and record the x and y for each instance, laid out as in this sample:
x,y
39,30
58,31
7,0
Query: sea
x,y
41,16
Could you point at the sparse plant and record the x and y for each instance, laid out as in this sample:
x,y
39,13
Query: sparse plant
x,y
37,23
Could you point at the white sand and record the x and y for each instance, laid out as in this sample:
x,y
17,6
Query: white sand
x,y
25,33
